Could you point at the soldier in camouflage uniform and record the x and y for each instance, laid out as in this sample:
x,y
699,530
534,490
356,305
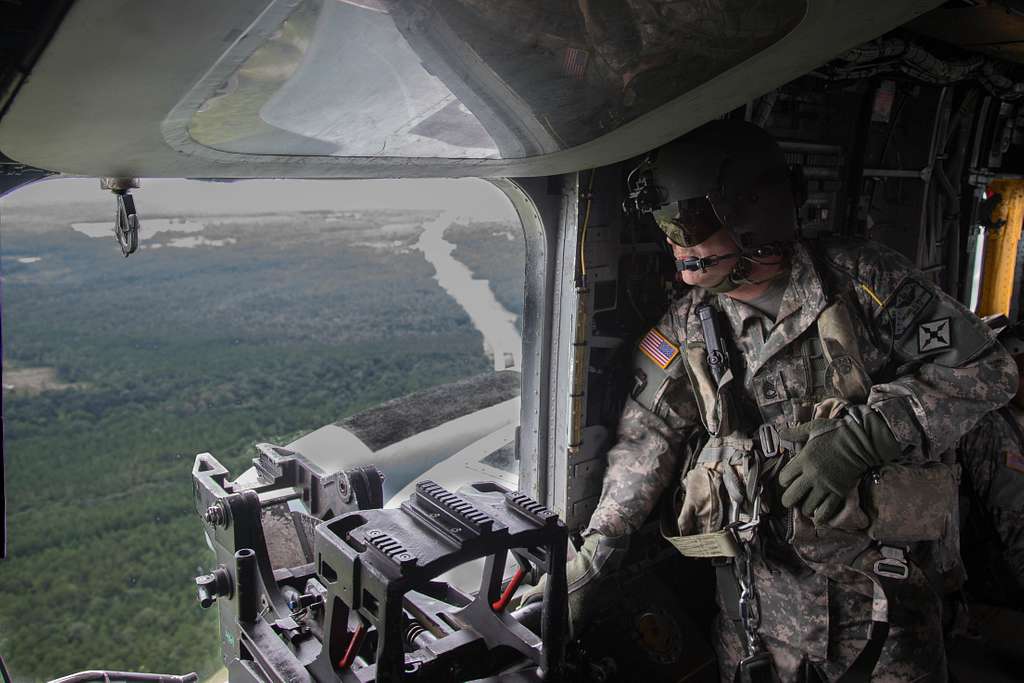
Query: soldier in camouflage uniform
x,y
992,498
864,371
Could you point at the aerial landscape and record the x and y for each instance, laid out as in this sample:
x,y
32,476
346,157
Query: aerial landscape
x,y
230,326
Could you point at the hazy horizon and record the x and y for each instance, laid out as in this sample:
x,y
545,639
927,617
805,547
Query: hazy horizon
x,y
469,197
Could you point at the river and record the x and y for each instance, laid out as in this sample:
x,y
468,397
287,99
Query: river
x,y
496,323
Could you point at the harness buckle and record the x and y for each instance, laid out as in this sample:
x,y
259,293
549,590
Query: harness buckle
x,y
755,517
771,444
893,564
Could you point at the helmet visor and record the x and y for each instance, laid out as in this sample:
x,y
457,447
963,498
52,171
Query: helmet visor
x,y
688,222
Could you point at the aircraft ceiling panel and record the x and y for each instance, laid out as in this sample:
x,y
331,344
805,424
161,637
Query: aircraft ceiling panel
x,y
132,89
988,29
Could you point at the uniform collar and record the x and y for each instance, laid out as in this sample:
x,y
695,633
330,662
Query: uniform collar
x,y
802,303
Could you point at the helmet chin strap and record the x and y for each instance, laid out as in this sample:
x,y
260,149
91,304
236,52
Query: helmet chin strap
x,y
738,276
730,281
734,278
740,271
703,263
744,258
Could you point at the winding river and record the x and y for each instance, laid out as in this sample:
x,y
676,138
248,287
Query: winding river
x,y
496,323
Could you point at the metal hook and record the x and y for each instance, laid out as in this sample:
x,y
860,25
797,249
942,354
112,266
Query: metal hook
x,y
126,220
126,224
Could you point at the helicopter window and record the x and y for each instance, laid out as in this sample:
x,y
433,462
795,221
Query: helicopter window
x,y
357,322
465,79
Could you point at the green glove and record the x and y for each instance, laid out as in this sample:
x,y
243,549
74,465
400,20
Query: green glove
x,y
597,557
837,454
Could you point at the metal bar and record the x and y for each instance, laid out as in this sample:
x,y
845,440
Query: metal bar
x,y
849,198
924,174
539,204
100,674
976,254
563,336
811,147
979,133
246,590
280,495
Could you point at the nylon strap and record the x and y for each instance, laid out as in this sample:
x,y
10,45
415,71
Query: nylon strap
x,y
729,589
861,669
716,544
885,578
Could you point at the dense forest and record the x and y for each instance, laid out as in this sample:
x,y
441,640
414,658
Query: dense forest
x,y
298,320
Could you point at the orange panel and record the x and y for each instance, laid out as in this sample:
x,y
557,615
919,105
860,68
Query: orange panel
x,y
1001,248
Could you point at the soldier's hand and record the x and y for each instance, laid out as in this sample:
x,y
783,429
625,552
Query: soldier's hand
x,y
837,453
597,557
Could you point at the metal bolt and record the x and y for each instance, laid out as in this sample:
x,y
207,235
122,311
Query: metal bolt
x,y
211,586
204,586
307,600
344,489
216,515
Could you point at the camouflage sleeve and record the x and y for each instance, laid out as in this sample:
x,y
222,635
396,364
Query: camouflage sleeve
x,y
943,369
992,514
658,416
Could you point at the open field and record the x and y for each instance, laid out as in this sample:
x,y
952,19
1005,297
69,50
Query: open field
x,y
29,381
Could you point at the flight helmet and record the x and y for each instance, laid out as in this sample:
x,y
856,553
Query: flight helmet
x,y
718,175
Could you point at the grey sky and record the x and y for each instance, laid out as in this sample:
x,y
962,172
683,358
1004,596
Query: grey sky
x,y
464,197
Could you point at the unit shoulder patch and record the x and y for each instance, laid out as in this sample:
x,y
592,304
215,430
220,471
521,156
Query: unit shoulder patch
x,y
658,348
907,304
934,336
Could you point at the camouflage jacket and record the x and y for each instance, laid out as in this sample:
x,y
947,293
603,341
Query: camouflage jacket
x,y
920,359
856,325
992,507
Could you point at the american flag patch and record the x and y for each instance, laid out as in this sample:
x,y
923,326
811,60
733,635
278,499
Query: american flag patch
x,y
575,64
658,349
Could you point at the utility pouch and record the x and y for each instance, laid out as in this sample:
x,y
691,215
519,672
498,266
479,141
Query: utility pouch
x,y
910,503
711,396
808,536
716,493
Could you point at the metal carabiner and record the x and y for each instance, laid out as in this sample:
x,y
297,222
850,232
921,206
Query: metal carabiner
x,y
126,220
126,224
755,515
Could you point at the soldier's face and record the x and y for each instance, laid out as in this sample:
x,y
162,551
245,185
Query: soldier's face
x,y
719,244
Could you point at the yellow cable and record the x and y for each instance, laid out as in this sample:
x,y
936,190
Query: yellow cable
x,y
872,295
